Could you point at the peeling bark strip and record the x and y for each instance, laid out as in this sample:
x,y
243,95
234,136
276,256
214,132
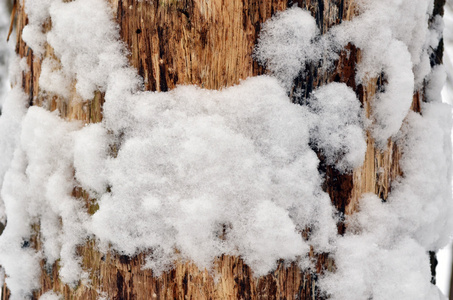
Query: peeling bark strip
x,y
209,43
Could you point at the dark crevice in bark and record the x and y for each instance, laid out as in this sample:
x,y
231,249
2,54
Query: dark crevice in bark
x,y
433,264
320,15
381,83
244,291
341,11
437,53
436,58
162,55
438,7
28,80
124,259
338,185
185,282
119,285
305,83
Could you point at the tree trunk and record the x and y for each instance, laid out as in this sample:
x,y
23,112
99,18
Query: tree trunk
x,y
210,44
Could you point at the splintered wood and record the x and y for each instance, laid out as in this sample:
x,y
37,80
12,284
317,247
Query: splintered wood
x,y
210,44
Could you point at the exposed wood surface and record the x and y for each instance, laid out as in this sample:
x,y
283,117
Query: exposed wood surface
x,y
209,43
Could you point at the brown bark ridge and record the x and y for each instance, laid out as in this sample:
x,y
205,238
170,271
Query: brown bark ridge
x,y
210,44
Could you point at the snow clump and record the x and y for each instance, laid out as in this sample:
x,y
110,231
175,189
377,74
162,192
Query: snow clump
x,y
288,42
338,132
193,162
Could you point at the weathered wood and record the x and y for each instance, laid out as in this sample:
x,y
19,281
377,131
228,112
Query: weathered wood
x,y
210,43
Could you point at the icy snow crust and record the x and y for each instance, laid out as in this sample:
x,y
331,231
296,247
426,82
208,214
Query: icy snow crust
x,y
232,171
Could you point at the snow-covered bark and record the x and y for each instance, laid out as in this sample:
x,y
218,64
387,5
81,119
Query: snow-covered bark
x,y
200,173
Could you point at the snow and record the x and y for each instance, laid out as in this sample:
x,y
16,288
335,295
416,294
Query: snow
x,y
416,217
43,151
338,131
399,49
199,173
287,42
365,270
427,186
50,295
35,39
447,59
85,40
388,113
386,245
444,256
4,52
33,33
405,21
53,80
443,270
91,150
13,110
22,277
435,82
199,156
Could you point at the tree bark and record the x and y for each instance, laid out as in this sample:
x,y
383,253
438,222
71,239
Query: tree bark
x,y
210,44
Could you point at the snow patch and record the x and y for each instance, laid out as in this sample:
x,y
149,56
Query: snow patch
x,y
338,131
287,42
199,155
50,295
